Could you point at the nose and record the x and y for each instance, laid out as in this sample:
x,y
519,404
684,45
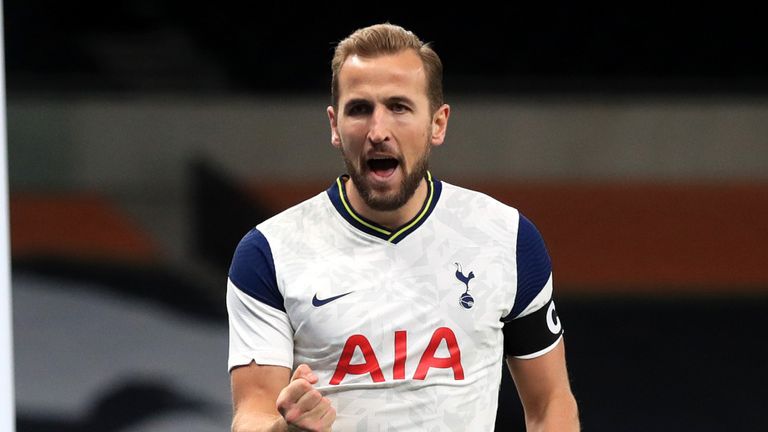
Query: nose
x,y
379,130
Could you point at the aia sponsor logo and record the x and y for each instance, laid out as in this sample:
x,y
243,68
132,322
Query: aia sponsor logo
x,y
427,361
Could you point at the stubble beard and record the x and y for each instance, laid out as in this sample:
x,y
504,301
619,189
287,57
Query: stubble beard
x,y
392,200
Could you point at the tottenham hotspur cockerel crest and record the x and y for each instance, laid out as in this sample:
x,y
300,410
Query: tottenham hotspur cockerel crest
x,y
466,301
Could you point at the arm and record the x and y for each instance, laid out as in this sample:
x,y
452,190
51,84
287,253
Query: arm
x,y
265,400
254,391
265,396
545,393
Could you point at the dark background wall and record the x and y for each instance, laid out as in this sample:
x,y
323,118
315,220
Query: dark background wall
x,y
279,47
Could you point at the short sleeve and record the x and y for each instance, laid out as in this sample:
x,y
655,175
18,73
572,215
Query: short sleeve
x,y
532,328
259,327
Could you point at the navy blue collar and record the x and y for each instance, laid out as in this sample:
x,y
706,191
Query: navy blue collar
x,y
338,195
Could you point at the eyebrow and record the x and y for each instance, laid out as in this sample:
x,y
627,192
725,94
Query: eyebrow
x,y
391,99
356,101
404,99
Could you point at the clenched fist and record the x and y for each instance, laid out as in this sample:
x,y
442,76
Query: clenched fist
x,y
302,406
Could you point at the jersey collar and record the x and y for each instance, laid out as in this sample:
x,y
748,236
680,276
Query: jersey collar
x,y
338,195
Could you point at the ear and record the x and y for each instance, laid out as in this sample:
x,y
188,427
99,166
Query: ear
x,y
440,124
335,137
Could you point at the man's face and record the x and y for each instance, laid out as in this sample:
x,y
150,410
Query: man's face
x,y
384,126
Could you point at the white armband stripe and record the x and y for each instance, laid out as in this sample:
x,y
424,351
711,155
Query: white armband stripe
x,y
540,352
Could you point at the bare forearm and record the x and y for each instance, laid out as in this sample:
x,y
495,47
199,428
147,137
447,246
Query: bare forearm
x,y
258,423
560,414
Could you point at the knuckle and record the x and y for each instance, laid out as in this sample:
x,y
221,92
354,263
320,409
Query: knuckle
x,y
281,404
291,416
303,385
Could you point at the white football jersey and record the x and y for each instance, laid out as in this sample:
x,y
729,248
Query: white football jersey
x,y
404,328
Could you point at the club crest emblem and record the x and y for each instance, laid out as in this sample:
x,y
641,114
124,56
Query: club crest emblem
x,y
466,300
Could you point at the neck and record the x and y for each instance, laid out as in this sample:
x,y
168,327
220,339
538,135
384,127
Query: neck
x,y
388,218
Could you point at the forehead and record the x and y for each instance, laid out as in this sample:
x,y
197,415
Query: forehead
x,y
401,73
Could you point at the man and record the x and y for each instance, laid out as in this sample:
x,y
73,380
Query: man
x,y
388,301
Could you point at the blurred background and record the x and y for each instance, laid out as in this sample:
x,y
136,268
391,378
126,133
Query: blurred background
x,y
146,137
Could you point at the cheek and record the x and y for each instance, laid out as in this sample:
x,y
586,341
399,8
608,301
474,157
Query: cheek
x,y
351,143
420,141
352,133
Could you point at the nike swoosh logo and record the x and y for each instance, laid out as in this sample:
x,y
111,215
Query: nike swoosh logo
x,y
316,302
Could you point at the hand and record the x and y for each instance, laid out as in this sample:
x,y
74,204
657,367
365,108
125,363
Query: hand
x,y
302,406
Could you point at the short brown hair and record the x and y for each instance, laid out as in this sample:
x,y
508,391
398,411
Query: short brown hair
x,y
381,39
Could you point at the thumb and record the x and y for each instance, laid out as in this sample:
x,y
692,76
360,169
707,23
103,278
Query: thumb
x,y
305,372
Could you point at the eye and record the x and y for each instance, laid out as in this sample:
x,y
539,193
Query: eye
x,y
399,108
358,109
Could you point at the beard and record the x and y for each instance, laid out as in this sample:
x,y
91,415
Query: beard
x,y
395,199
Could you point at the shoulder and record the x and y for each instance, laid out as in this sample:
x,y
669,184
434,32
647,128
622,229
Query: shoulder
x,y
455,192
253,263
479,209
294,220
499,220
253,269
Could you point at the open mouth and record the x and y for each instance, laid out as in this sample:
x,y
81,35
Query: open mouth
x,y
383,167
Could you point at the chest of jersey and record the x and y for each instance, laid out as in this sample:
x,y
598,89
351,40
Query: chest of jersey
x,y
377,312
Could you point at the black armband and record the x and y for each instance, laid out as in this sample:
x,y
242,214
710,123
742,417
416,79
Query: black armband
x,y
532,333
